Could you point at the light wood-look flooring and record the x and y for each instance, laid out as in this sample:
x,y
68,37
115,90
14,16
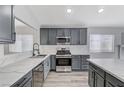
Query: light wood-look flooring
x,y
73,79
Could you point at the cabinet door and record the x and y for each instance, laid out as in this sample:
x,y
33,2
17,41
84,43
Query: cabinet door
x,y
99,81
108,84
52,36
84,62
28,84
75,36
44,36
122,38
83,36
60,32
91,77
53,62
67,32
76,64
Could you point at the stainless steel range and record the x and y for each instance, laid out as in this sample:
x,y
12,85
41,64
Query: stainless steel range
x,y
63,60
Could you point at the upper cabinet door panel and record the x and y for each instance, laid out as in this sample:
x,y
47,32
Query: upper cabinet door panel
x,y
83,36
67,32
44,36
6,23
52,36
60,32
75,36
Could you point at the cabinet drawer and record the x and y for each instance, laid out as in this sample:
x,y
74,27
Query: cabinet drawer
x,y
113,81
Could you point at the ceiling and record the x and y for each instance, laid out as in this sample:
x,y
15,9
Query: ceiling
x,y
85,15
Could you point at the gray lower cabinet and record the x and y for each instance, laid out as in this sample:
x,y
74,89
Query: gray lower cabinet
x,y
76,64
44,33
100,78
96,76
99,81
111,81
25,81
53,62
91,76
46,67
85,62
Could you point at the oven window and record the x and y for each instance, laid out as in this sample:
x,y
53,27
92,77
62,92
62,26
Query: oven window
x,y
63,62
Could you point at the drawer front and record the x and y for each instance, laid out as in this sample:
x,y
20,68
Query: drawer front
x,y
114,81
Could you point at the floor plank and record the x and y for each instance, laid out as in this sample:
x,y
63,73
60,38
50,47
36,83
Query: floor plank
x,y
73,79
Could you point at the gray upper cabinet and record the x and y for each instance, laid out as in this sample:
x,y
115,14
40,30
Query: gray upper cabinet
x,y
75,36
44,36
60,32
7,29
83,36
78,36
122,38
67,32
52,36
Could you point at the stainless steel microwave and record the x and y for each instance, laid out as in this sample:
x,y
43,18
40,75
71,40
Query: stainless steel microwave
x,y
63,40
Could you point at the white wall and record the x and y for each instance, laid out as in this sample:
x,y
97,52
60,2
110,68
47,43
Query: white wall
x,y
75,49
24,13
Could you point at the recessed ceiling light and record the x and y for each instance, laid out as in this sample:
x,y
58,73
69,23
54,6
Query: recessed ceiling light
x,y
100,10
69,10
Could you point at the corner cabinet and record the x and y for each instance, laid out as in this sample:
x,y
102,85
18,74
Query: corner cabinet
x,y
7,26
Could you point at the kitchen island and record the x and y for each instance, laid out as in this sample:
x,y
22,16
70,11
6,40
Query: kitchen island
x,y
11,73
106,73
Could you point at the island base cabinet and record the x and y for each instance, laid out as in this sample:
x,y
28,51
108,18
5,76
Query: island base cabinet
x,y
91,77
97,77
111,81
99,81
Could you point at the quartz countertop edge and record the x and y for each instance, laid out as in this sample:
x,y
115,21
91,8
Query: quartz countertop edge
x,y
110,70
15,71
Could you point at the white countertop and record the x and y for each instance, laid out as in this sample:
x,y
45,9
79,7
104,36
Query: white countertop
x,y
114,67
13,72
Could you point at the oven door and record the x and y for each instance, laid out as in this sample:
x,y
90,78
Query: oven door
x,y
63,65
63,61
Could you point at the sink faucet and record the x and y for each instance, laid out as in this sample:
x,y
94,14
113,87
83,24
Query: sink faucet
x,y
35,49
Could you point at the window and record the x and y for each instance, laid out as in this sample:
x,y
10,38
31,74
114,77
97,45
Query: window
x,y
101,43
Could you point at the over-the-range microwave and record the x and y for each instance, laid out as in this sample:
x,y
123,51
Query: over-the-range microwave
x,y
63,40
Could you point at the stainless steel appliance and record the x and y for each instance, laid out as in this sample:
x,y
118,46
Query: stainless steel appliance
x,y
63,60
63,40
38,76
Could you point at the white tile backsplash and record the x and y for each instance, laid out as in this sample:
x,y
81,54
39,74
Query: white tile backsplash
x,y
75,49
